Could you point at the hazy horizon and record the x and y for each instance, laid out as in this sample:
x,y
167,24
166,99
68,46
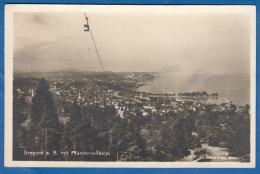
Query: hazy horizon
x,y
132,42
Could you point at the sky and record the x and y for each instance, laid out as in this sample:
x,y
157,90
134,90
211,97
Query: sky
x,y
155,42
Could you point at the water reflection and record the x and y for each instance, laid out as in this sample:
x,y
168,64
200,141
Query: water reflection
x,y
184,86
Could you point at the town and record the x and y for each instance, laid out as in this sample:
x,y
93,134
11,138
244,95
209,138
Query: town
x,y
97,92
118,90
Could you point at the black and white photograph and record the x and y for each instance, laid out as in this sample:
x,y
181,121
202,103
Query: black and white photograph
x,y
130,86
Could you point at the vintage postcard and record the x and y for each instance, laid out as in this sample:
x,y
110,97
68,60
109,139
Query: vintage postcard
x,y
130,86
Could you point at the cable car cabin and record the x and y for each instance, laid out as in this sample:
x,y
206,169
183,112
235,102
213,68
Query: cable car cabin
x,y
86,27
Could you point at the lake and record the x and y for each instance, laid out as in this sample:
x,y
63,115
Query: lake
x,y
233,86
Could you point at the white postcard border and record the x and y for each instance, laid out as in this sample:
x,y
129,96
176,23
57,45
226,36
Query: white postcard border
x,y
196,9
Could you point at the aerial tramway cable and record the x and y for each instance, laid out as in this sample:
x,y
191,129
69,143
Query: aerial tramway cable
x,y
89,29
77,50
73,41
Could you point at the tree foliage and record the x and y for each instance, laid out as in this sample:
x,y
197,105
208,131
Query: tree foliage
x,y
44,130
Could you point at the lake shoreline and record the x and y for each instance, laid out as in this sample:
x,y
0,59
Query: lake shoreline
x,y
228,86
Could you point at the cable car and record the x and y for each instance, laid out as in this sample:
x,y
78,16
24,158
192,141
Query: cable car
x,y
86,26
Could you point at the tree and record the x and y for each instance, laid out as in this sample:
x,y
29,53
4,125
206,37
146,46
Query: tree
x,y
136,146
66,143
118,141
18,129
79,135
44,132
